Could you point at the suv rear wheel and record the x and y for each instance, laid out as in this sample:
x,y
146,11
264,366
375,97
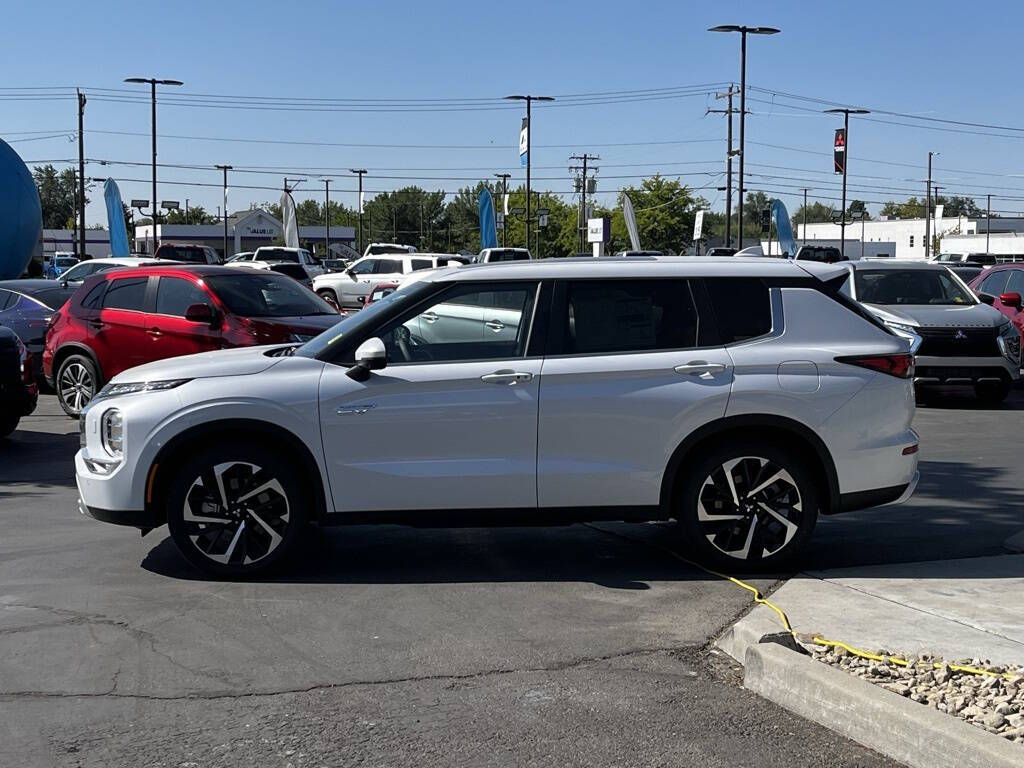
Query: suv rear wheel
x,y
77,383
748,504
236,509
329,296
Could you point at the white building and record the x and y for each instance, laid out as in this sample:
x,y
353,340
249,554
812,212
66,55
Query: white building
x,y
955,234
97,242
247,231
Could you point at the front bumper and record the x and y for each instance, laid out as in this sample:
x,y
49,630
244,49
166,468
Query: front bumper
x,y
131,517
964,370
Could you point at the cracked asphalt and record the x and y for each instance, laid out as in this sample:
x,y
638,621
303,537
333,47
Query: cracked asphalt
x,y
392,646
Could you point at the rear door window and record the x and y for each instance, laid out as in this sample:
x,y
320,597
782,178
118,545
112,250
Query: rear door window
x,y
389,267
995,283
421,264
126,293
174,295
608,316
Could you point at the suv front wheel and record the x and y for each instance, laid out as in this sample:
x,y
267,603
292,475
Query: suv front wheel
x,y
236,509
748,505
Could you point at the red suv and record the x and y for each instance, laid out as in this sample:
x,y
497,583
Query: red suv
x,y
1002,287
124,318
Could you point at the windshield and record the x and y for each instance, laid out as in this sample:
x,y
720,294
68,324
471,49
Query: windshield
x,y
178,253
267,295
352,324
277,254
910,286
378,250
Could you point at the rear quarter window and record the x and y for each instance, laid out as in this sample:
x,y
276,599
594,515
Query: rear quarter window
x,y
742,307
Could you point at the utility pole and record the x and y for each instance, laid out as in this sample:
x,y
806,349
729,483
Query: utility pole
x,y
360,172
928,208
504,194
186,210
327,216
81,178
227,168
421,227
988,220
394,214
529,139
846,112
805,216
585,157
935,209
728,164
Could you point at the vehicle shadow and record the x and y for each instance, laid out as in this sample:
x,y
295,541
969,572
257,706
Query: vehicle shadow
x,y
613,555
43,459
963,398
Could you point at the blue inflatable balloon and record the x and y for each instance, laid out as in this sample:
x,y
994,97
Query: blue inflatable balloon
x,y
21,217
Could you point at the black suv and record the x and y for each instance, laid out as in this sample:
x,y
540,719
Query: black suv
x,y
827,254
18,390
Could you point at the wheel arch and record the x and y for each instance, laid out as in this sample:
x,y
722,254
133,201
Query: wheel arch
x,y
780,429
171,455
76,348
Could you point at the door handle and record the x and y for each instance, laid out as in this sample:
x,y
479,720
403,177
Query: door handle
x,y
154,332
700,368
429,317
97,324
495,325
509,378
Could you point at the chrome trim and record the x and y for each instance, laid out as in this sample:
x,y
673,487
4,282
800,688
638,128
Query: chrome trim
x,y
344,410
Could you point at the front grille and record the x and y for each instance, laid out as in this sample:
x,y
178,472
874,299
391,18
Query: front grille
x,y
958,342
942,373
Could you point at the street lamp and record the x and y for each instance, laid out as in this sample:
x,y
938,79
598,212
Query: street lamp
x,y
225,168
153,83
744,31
845,112
529,138
360,172
928,208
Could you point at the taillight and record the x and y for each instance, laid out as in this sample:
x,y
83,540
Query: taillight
x,y
901,366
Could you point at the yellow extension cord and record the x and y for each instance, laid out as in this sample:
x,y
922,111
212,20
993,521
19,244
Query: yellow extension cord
x,y
815,638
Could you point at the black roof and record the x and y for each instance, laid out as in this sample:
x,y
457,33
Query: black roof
x,y
41,290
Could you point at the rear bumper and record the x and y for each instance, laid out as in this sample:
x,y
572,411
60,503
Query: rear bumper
x,y
897,494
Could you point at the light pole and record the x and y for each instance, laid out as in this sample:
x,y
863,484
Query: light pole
x,y
988,220
529,138
153,83
225,168
845,112
744,31
504,194
327,217
928,208
806,190
360,172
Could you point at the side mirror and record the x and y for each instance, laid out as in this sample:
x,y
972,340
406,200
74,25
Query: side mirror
x,y
350,273
202,313
986,298
1011,299
370,356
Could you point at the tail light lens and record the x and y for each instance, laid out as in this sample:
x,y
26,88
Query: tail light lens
x,y
901,366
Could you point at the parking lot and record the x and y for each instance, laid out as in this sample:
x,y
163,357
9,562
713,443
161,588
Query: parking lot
x,y
387,645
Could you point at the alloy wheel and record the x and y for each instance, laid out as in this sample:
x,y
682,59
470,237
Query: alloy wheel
x,y
749,508
76,386
236,513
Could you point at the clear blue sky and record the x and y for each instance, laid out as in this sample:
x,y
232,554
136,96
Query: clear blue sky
x,y
933,59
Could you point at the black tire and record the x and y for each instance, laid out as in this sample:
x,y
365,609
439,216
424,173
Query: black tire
x,y
276,517
329,296
992,393
76,383
8,423
749,536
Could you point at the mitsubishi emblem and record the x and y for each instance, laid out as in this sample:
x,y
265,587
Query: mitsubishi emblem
x,y
959,335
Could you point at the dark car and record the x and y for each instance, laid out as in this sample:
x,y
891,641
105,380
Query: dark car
x,y
187,253
18,390
26,307
966,271
124,318
1002,287
827,254
721,250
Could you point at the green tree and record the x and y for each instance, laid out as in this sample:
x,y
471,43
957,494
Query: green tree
x,y
57,195
816,212
409,216
196,215
665,211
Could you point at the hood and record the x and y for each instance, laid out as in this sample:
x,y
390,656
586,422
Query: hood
x,y
939,316
277,330
241,361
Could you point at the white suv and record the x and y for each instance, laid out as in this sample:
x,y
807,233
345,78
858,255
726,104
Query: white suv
x,y
350,288
739,398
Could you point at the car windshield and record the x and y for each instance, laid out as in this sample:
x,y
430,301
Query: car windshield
x,y
351,325
910,286
278,254
508,254
177,253
267,296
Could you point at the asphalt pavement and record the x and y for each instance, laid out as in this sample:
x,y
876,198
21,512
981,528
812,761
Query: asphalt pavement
x,y
394,646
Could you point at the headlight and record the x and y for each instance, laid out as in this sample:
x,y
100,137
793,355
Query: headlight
x,y
901,327
1009,342
112,432
907,332
131,388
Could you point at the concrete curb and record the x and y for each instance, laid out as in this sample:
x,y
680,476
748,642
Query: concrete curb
x,y
904,730
1015,543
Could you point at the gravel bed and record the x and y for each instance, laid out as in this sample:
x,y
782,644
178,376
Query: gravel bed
x,y
993,703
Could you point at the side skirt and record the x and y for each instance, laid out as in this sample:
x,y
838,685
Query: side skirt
x,y
486,518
